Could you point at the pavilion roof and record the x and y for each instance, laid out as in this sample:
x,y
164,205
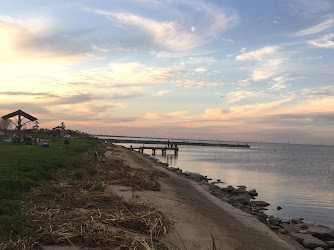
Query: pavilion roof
x,y
19,112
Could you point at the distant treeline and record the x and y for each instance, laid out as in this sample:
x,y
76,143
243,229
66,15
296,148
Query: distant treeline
x,y
43,132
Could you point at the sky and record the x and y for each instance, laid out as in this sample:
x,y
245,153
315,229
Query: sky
x,y
216,69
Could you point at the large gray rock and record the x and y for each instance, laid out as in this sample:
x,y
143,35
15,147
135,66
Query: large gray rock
x,y
330,244
297,236
261,214
293,228
240,190
215,188
275,228
243,199
220,195
275,221
303,231
256,209
303,225
172,169
228,188
252,192
259,204
320,232
312,242
197,177
285,221
297,220
178,171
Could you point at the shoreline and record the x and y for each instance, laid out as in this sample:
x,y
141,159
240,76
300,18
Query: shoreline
x,y
307,235
203,215
300,195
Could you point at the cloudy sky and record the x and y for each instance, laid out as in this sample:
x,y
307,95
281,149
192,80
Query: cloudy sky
x,y
216,69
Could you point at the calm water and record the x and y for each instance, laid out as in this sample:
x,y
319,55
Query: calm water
x,y
299,178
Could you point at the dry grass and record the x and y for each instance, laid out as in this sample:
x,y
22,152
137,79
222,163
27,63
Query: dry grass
x,y
74,209
138,179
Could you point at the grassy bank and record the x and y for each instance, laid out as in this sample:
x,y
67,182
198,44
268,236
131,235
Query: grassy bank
x,y
22,167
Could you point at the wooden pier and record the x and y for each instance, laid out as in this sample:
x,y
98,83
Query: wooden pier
x,y
163,149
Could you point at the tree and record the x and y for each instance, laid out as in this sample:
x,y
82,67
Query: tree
x,y
62,125
4,124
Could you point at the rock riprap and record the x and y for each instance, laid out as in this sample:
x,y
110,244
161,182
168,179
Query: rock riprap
x,y
307,235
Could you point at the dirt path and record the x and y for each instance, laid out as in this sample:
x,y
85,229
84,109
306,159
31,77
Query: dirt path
x,y
198,215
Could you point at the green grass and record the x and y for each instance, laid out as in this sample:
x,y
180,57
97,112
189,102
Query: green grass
x,y
22,167
97,188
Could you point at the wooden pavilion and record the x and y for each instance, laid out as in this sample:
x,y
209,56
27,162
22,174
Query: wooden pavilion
x,y
21,115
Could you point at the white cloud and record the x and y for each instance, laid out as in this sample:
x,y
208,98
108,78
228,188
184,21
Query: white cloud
x,y
168,34
278,83
174,54
124,75
259,75
175,34
35,40
188,82
133,74
311,58
239,95
257,54
200,70
309,7
328,23
244,82
327,41
322,91
198,60
162,92
97,48
267,62
36,25
180,114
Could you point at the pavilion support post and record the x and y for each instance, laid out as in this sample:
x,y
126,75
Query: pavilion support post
x,y
19,126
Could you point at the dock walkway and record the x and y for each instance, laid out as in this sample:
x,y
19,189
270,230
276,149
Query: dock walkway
x,y
163,149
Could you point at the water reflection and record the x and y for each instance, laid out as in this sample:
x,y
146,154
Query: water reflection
x,y
169,158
